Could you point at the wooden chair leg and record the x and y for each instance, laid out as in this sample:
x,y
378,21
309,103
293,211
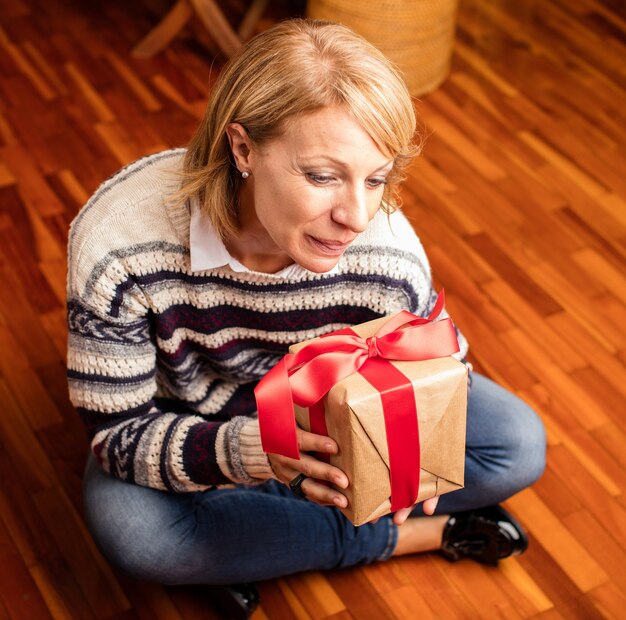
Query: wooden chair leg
x,y
217,25
213,21
161,35
250,19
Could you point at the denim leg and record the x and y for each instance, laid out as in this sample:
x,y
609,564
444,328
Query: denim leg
x,y
506,448
223,536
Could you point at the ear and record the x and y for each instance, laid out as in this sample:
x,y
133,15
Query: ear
x,y
240,145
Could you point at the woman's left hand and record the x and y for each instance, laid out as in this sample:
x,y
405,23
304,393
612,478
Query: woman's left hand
x,y
429,506
400,516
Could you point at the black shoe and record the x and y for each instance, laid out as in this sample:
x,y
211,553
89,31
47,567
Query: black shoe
x,y
485,535
235,602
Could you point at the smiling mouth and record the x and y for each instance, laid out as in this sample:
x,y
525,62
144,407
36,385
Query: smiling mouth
x,y
330,247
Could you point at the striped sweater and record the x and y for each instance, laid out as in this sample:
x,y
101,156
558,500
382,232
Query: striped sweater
x,y
163,360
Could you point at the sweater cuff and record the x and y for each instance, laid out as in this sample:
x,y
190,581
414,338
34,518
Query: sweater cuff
x,y
253,460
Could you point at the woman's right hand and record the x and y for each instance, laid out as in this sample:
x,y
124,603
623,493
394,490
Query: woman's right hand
x,y
316,471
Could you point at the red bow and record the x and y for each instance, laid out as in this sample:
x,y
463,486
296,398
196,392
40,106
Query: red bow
x,y
306,376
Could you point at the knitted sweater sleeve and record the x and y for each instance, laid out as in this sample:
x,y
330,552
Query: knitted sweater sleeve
x,y
112,376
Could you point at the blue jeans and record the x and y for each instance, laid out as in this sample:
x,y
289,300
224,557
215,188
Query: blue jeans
x,y
246,534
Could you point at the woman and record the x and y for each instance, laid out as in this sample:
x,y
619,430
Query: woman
x,y
190,274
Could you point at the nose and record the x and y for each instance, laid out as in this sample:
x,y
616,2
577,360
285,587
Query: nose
x,y
353,209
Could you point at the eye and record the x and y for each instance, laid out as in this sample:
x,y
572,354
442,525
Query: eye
x,y
319,179
375,183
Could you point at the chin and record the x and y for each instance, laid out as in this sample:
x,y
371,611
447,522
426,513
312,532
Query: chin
x,y
319,266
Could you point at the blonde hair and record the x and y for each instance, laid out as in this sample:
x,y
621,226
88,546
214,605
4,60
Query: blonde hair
x,y
296,67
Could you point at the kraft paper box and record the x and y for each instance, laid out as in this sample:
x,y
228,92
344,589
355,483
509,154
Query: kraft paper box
x,y
354,419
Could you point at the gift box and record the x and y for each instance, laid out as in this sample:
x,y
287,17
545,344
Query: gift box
x,y
399,423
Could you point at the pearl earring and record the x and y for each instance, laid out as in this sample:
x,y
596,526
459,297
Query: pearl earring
x,y
245,174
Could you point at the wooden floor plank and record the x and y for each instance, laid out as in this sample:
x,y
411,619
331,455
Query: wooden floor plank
x,y
535,597
534,326
610,600
19,596
477,584
579,481
406,601
430,575
316,595
94,577
571,556
569,602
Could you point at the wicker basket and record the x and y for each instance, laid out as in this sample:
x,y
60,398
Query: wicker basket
x,y
416,35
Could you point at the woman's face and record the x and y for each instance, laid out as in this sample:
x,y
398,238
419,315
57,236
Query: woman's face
x,y
311,191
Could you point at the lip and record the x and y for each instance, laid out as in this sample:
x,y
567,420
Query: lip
x,y
330,247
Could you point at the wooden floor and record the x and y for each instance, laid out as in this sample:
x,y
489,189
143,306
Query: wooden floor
x,y
520,199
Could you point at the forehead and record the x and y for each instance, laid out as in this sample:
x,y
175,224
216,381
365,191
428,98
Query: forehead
x,y
329,132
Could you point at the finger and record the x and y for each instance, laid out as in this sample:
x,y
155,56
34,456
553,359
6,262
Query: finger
x,y
311,442
430,505
308,465
319,493
314,468
402,515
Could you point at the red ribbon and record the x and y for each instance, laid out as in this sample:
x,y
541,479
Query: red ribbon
x,y
306,376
